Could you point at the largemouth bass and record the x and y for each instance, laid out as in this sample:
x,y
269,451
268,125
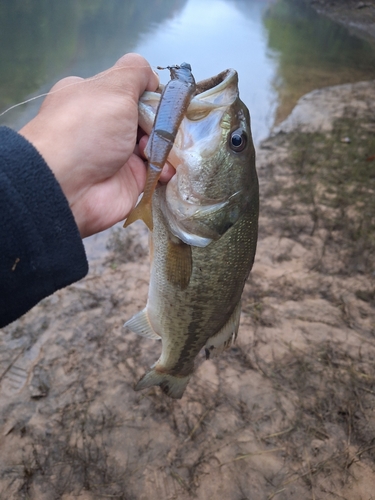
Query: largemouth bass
x,y
205,225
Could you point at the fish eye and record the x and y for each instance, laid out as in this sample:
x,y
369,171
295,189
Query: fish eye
x,y
238,140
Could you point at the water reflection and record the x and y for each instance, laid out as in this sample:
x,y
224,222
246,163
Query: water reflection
x,y
281,48
214,35
312,52
44,40
50,39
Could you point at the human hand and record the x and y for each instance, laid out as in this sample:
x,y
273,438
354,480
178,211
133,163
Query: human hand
x,y
86,131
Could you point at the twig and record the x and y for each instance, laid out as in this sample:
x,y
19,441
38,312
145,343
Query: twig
x,y
242,457
278,433
180,481
195,428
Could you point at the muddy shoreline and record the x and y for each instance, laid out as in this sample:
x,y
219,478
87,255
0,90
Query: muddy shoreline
x,y
357,15
288,412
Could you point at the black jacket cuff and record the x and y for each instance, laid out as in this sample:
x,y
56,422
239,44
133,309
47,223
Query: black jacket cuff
x,y
41,249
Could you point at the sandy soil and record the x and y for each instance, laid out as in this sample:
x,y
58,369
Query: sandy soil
x,y
286,413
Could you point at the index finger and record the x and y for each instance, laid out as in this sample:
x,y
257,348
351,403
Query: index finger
x,y
137,75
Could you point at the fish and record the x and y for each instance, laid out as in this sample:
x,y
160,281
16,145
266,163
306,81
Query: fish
x,y
205,227
174,101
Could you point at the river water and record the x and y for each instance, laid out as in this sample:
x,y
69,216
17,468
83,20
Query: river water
x,y
280,48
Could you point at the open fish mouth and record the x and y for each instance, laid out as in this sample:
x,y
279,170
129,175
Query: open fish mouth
x,y
200,132
218,91
211,93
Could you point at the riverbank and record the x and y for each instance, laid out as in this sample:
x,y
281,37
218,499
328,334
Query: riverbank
x,y
357,15
287,412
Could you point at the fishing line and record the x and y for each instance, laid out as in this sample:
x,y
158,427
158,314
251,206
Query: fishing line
x,y
84,80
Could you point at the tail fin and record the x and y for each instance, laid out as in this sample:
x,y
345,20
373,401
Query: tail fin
x,y
142,211
171,385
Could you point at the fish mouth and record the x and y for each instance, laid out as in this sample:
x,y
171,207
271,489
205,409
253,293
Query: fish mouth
x,y
217,84
212,93
215,92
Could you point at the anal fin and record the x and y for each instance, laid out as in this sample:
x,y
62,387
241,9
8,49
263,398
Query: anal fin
x,y
140,324
224,338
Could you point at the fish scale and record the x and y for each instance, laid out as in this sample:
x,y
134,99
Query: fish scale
x,y
198,312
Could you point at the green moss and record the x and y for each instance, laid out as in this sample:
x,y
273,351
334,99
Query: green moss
x,y
335,174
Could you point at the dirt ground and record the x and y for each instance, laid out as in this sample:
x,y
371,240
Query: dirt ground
x,y
287,413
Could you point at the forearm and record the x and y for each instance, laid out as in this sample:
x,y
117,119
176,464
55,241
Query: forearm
x,y
41,249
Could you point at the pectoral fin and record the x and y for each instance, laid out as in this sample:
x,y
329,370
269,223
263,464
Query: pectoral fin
x,y
178,263
223,338
140,324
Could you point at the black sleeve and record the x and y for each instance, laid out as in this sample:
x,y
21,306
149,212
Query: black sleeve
x,y
41,249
